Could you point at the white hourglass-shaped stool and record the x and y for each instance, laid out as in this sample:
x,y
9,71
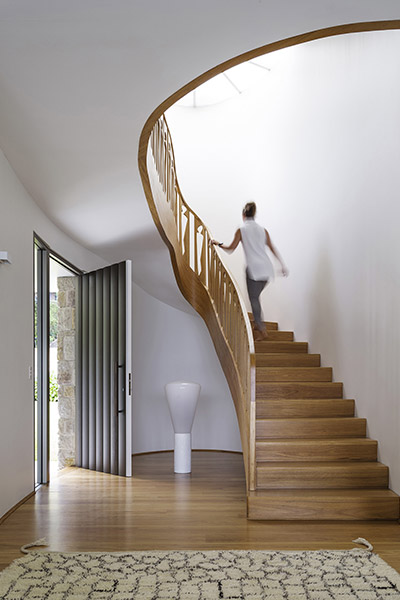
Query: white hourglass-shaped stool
x,y
182,398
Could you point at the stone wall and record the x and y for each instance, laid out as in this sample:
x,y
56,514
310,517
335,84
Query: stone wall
x,y
67,290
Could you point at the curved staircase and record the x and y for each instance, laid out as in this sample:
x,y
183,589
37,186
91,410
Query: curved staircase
x,y
306,455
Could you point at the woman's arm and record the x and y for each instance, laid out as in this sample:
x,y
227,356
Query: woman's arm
x,y
233,245
275,252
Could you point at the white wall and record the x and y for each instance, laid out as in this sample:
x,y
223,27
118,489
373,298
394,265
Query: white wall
x,y
171,345
19,218
318,148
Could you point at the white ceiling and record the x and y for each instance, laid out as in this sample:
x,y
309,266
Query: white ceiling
x,y
78,79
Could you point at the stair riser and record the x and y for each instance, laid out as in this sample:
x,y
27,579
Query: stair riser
x,y
322,478
303,408
310,428
299,390
280,336
288,360
345,450
357,509
270,325
290,374
285,347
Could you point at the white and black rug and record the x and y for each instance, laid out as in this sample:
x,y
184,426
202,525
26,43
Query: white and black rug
x,y
197,575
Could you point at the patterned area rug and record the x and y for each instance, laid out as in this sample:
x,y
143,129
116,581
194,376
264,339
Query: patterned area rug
x,y
212,575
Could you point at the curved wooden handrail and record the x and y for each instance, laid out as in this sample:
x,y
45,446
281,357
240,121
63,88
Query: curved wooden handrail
x,y
207,285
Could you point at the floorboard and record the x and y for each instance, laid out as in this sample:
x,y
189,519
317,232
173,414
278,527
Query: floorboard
x,y
82,510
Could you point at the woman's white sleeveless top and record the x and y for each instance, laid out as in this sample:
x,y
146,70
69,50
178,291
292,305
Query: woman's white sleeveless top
x,y
259,265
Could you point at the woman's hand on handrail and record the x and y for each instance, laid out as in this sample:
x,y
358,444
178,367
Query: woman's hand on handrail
x,y
232,246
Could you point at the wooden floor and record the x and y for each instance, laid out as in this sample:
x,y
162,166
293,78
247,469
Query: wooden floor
x,y
83,510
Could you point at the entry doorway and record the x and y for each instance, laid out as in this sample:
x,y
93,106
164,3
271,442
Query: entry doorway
x,y
55,344
82,357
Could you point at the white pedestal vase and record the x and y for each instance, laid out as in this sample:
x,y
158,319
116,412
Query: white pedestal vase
x,y
182,400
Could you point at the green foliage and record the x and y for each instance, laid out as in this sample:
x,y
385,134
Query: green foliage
x,y
53,325
53,321
35,322
53,385
53,388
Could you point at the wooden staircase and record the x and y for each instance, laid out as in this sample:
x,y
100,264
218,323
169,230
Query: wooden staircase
x,y
306,456
313,459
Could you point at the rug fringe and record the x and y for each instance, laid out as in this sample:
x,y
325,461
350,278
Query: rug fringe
x,y
41,542
364,542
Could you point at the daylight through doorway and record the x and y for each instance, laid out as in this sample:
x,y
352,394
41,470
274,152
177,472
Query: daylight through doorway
x,y
55,295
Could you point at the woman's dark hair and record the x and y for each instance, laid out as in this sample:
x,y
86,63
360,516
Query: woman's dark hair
x,y
249,210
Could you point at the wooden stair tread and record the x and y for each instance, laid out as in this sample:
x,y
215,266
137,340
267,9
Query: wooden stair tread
x,y
341,427
291,374
335,493
322,474
273,325
304,408
281,346
321,441
316,450
330,465
298,400
275,335
286,359
297,389
360,504
324,420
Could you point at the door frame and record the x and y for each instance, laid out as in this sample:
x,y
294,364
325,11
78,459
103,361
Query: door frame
x,y
41,357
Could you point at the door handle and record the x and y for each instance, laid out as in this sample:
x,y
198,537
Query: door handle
x,y
121,410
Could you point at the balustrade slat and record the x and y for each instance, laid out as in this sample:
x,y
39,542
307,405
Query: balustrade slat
x,y
197,223
187,237
178,218
203,256
212,274
220,283
228,312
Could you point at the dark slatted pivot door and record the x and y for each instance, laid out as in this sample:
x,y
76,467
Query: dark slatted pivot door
x,y
104,406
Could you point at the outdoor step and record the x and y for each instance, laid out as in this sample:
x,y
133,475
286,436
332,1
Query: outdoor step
x,y
336,505
287,360
299,390
343,449
267,346
280,408
310,428
293,374
306,475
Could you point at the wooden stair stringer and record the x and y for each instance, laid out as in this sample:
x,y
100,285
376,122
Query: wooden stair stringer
x,y
313,459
